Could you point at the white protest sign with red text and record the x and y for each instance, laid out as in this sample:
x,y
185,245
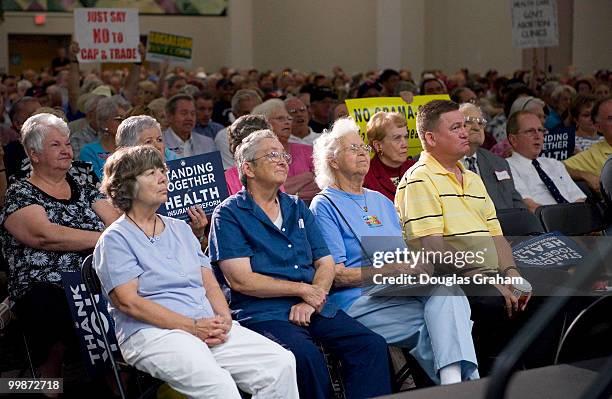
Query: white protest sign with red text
x,y
107,34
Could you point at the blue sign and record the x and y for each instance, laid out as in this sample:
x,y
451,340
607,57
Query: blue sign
x,y
559,143
197,180
86,326
548,250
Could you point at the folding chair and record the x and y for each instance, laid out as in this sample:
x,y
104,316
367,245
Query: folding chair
x,y
574,219
92,283
519,222
587,336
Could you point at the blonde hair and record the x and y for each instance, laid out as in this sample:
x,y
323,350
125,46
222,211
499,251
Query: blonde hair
x,y
381,122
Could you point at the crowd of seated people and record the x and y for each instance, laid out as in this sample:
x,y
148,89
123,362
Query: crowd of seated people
x,y
83,169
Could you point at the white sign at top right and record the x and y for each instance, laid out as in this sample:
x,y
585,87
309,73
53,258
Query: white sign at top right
x,y
534,23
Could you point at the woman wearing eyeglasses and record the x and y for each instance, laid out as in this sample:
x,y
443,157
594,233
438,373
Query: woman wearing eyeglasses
x,y
300,177
388,137
279,270
109,114
357,224
171,318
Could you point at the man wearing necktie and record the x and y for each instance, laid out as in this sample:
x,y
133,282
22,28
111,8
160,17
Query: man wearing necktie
x,y
539,180
492,169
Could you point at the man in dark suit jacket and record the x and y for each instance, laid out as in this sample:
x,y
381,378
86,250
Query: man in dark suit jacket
x,y
493,170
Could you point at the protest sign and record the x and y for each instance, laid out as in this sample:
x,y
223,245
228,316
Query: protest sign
x,y
168,47
548,250
559,143
107,34
362,109
197,180
534,23
86,326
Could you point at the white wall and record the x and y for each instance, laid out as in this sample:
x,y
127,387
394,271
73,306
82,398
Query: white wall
x,y
413,36
476,34
592,45
315,35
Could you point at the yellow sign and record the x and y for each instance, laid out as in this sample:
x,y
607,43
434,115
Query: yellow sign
x,y
362,109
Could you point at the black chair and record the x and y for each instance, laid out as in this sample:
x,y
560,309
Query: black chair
x,y
92,283
411,368
517,222
588,335
575,219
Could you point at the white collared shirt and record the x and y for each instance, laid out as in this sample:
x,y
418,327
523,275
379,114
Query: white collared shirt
x,y
528,183
308,140
467,165
196,144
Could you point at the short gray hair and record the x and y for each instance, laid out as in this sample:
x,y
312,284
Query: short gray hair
x,y
92,102
172,103
268,107
189,89
36,128
326,147
131,128
246,151
244,94
469,106
560,89
107,108
122,169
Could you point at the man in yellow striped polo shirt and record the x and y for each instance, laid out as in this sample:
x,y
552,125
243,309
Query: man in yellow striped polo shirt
x,y
447,206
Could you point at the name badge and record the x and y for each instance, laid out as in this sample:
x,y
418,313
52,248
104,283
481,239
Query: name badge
x,y
301,223
502,175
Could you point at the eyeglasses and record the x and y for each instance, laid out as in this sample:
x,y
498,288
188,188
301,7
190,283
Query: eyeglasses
x,y
276,156
533,132
296,110
482,122
282,118
357,148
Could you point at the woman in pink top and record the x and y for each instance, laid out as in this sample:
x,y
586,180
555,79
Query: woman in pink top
x,y
237,132
300,179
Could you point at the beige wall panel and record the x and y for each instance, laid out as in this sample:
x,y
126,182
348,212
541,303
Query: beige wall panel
x,y
314,35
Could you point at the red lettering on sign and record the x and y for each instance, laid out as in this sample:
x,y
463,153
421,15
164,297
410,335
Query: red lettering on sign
x,y
89,53
117,16
96,16
101,36
123,53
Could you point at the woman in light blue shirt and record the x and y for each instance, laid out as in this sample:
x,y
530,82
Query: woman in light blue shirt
x,y
435,328
171,318
110,112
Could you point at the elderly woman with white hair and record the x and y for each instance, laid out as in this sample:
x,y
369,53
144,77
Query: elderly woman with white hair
x,y
145,130
358,223
49,223
279,270
110,112
300,178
